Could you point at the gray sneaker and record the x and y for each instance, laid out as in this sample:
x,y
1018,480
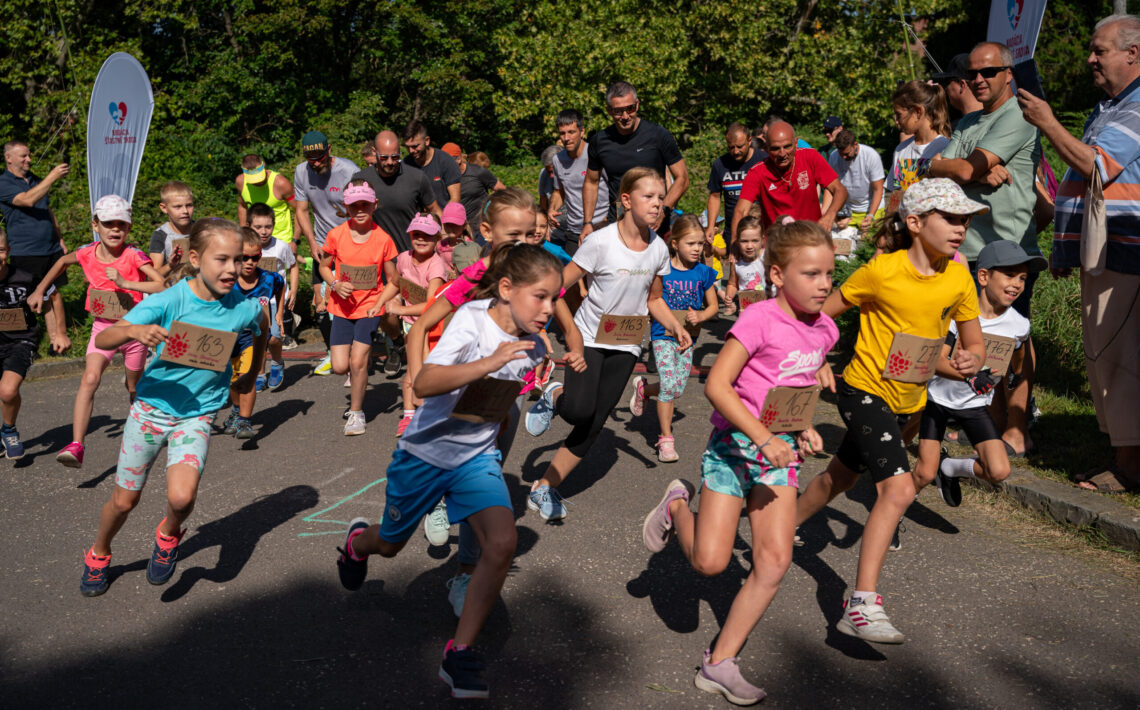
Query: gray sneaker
x,y
437,528
354,424
866,620
655,529
725,678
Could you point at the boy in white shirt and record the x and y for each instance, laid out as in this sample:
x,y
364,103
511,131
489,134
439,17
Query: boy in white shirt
x,y
261,220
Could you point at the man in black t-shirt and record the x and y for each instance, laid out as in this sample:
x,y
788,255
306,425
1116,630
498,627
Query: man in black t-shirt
x,y
727,177
629,143
440,168
401,190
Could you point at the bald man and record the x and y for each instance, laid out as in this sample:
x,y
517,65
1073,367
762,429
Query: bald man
x,y
401,189
788,182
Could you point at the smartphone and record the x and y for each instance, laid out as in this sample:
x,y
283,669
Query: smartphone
x,y
1026,76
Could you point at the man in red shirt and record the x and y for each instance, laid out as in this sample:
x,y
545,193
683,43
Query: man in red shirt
x,y
788,183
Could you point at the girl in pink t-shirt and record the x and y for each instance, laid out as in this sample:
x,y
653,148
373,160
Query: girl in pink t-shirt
x,y
109,264
780,342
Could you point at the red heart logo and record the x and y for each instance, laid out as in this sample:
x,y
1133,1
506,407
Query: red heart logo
x,y
122,112
609,325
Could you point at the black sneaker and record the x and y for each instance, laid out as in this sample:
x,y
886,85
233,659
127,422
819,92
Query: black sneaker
x,y
243,429
949,487
164,559
896,541
463,673
229,426
352,572
94,580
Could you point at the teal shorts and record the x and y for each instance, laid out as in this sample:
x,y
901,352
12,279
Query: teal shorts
x,y
146,430
732,464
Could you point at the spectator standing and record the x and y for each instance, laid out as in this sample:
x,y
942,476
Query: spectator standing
x,y
860,170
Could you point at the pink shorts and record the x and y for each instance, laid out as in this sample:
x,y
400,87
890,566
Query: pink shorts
x,y
134,352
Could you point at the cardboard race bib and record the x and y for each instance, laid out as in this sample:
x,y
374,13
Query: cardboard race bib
x,y
199,347
182,243
412,293
999,352
912,358
110,304
362,278
789,408
268,263
693,328
843,246
12,319
487,401
621,330
747,298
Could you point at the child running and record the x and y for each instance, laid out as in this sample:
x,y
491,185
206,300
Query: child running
x,y
1003,268
176,202
278,257
748,273
625,263
455,232
109,264
782,342
689,289
176,402
356,254
267,288
451,454
420,267
915,288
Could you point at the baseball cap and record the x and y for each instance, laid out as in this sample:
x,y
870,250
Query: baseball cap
x,y
359,193
1003,252
453,213
424,223
956,69
112,208
831,123
451,149
314,141
942,194
255,176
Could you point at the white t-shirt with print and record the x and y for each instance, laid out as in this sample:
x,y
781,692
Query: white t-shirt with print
x,y
912,161
958,395
433,435
750,274
280,251
619,280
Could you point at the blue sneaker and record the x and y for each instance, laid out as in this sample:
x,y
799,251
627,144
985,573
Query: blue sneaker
x,y
164,559
259,386
230,425
547,502
462,670
276,375
13,449
94,580
352,572
539,416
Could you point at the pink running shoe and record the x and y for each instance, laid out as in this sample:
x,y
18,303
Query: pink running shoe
x,y
666,451
403,425
637,401
71,456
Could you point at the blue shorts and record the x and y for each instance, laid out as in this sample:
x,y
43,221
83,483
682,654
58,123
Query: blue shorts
x,y
415,486
732,464
346,331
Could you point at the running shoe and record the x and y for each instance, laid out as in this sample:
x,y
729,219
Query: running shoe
x,y
725,678
462,670
457,592
543,377
164,558
352,571
94,580
637,400
539,416
865,619
276,375
354,424
949,487
437,528
229,426
896,539
243,429
547,502
259,384
395,362
288,343
658,523
10,438
666,450
324,367
348,380
71,456
402,426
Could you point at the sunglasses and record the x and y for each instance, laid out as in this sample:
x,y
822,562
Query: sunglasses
x,y
317,158
986,72
247,257
616,111
385,156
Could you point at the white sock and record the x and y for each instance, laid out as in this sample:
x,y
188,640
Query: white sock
x,y
409,412
958,468
858,596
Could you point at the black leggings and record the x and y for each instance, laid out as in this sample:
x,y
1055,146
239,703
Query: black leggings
x,y
589,397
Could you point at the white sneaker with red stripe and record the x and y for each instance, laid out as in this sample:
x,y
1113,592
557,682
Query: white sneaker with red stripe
x,y
865,619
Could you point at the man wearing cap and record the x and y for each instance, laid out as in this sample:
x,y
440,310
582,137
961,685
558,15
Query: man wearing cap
x,y
475,183
832,125
35,241
860,170
256,184
1107,251
957,87
570,164
727,177
629,143
788,181
402,190
319,191
439,167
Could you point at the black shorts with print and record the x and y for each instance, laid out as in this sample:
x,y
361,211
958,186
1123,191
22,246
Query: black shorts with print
x,y
874,434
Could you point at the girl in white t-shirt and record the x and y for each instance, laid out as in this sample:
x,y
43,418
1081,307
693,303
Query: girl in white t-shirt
x,y
623,265
920,109
449,448
748,269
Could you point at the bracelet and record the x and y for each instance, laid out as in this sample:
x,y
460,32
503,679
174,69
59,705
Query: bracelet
x,y
768,441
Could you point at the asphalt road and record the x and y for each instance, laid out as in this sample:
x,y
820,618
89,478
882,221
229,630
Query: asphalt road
x,y
255,617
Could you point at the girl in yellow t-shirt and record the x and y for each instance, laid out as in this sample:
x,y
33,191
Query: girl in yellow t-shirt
x,y
913,289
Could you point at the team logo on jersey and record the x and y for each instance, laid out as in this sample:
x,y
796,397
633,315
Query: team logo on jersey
x,y
394,514
803,180
946,311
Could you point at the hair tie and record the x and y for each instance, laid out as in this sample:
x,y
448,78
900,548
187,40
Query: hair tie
x,y
787,219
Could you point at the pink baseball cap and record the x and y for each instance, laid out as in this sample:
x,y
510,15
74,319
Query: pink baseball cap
x,y
454,213
359,193
424,223
112,208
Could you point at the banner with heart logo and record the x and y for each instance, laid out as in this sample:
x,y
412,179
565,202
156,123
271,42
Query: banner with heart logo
x,y
118,120
1016,24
